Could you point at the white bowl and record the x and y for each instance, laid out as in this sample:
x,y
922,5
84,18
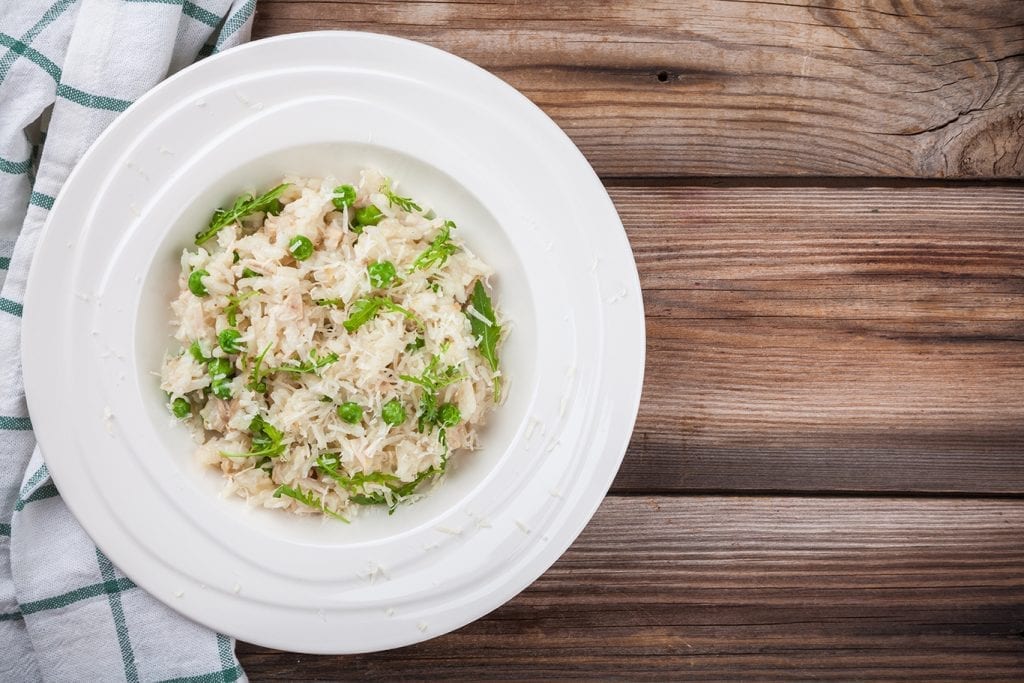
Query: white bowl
x,y
460,140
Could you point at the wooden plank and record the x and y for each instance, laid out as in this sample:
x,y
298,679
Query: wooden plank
x,y
718,588
732,87
811,339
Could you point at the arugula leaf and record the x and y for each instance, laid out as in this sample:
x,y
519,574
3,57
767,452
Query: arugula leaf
x,y
404,203
438,252
375,498
197,352
400,492
485,329
426,417
331,303
266,437
231,310
307,498
432,380
245,205
415,345
366,309
407,488
327,464
267,441
315,363
257,373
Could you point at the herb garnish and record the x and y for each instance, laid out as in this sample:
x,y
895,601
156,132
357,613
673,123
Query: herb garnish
x,y
439,250
308,499
330,303
267,441
365,310
327,464
404,203
257,373
315,363
197,352
433,380
485,329
231,310
244,205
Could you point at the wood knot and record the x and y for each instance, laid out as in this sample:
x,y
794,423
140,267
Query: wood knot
x,y
995,148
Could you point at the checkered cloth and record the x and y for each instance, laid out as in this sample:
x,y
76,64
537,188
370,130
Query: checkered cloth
x,y
67,68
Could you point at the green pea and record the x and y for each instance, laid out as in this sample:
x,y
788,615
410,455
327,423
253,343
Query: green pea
x,y
300,247
368,215
393,412
195,282
181,408
344,195
350,412
381,274
448,415
219,368
221,388
228,340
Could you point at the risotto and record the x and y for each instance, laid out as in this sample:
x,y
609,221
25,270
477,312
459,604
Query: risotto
x,y
338,345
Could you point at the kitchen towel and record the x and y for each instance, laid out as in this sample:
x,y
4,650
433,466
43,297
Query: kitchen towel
x,y
67,69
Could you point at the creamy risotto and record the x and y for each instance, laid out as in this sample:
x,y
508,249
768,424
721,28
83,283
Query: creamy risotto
x,y
338,345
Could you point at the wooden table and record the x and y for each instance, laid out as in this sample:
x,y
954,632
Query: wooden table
x,y
825,205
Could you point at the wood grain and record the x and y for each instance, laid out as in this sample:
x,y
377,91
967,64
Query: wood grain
x,y
814,339
831,342
829,88
729,588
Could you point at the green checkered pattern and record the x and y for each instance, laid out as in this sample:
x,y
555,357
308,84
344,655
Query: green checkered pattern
x,y
67,69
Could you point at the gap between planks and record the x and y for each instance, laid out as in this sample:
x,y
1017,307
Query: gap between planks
x,y
735,588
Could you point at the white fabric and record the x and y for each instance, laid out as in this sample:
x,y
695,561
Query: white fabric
x,y
67,69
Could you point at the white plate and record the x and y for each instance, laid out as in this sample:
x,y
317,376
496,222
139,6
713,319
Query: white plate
x,y
457,138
